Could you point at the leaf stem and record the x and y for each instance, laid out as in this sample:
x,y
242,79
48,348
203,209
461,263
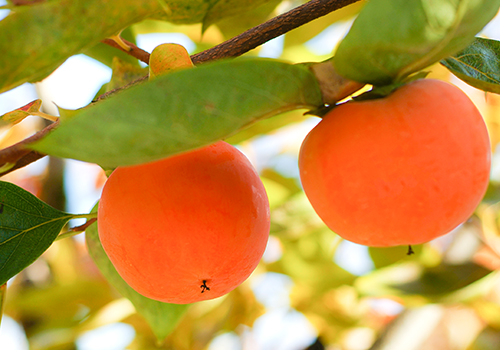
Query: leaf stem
x,y
46,116
73,231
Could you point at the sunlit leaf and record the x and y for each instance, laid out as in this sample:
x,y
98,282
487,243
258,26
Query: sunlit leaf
x,y
181,111
19,114
36,39
161,317
478,64
28,227
391,39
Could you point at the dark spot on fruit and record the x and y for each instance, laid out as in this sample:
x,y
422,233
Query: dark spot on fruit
x,y
204,286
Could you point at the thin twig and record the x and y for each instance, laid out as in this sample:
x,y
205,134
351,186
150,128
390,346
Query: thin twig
x,y
134,51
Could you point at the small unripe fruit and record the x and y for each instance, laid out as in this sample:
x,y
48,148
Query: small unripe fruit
x,y
400,170
186,228
167,58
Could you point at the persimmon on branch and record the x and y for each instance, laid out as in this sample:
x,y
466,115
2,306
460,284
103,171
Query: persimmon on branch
x,y
245,41
19,155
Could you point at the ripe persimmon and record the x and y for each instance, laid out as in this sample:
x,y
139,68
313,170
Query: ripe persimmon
x,y
399,170
186,228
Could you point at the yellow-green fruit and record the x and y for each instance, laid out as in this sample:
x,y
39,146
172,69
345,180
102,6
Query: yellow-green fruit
x,y
168,57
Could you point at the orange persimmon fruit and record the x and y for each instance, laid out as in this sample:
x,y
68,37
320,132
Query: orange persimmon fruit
x,y
186,228
399,170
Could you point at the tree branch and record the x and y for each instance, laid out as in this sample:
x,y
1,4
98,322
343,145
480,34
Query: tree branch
x,y
19,155
271,29
253,37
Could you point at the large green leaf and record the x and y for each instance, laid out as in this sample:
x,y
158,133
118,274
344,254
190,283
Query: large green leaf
x,y
478,64
181,111
161,317
392,39
28,227
36,39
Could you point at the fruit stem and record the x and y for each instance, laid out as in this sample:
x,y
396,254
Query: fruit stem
x,y
410,250
204,286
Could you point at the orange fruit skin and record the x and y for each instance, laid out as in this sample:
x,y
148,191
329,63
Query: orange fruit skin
x,y
196,219
400,170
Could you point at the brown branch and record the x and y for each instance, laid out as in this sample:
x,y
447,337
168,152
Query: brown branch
x,y
134,51
271,29
19,155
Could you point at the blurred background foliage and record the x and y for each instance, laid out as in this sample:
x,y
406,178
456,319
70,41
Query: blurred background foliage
x,y
312,290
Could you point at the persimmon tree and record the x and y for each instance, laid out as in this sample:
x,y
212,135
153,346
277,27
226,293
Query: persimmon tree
x,y
224,92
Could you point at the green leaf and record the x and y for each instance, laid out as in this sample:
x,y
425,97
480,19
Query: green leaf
x,y
267,126
478,64
392,39
36,39
182,110
444,279
386,256
161,317
19,114
28,227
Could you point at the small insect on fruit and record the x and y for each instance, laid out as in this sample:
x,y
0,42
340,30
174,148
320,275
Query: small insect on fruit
x,y
401,170
186,228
